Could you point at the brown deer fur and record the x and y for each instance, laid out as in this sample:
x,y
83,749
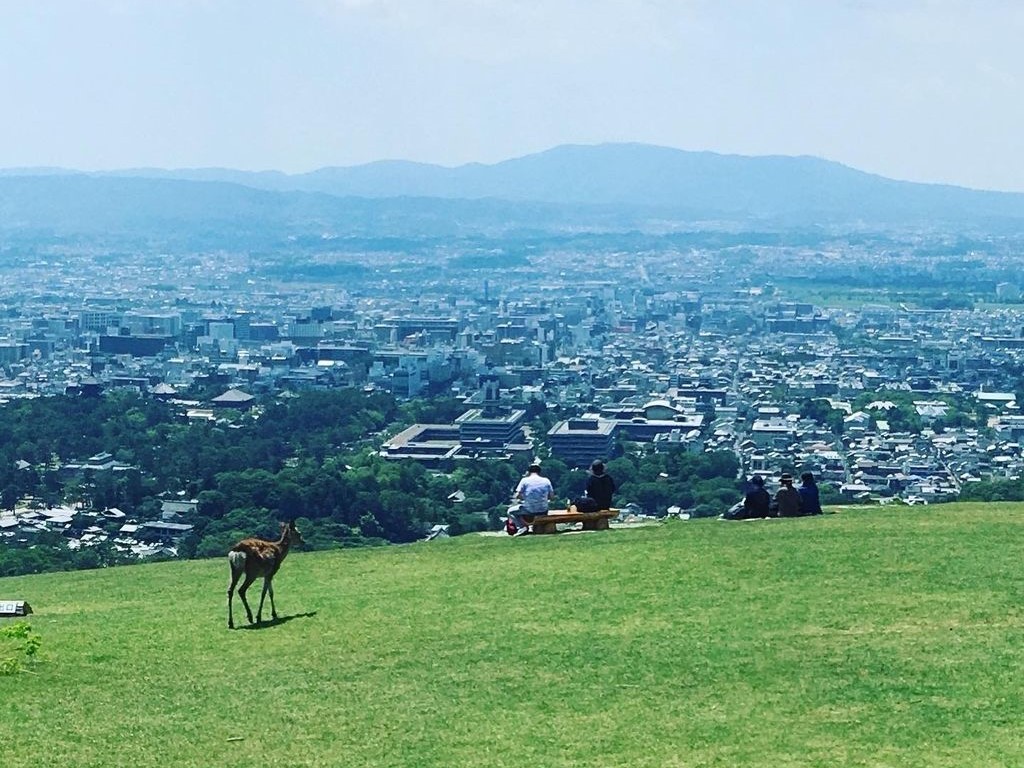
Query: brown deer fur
x,y
256,559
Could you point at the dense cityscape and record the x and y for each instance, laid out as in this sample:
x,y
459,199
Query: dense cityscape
x,y
887,364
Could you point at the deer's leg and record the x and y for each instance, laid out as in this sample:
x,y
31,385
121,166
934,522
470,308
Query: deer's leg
x,y
263,596
231,593
241,593
270,591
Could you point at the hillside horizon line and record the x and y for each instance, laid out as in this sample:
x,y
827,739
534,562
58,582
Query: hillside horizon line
x,y
158,171
686,185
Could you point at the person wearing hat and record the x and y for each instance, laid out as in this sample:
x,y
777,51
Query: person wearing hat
x,y
534,492
600,485
787,498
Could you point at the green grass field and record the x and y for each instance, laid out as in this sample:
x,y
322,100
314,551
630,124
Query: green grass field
x,y
873,637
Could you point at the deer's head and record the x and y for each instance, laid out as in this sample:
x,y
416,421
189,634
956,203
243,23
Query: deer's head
x,y
292,534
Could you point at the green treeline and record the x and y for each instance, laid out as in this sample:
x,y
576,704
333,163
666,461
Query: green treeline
x,y
312,457
993,490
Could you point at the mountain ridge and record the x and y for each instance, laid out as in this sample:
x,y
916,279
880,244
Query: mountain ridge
x,y
801,189
199,173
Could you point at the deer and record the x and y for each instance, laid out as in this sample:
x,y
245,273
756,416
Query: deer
x,y
257,558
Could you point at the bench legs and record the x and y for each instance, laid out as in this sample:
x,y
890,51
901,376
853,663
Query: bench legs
x,y
600,524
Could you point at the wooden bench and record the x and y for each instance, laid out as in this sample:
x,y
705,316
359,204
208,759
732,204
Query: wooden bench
x,y
592,521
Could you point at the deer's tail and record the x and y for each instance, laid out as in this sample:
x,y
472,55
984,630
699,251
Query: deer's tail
x,y
237,561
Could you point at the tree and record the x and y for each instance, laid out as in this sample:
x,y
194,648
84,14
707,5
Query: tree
x,y
816,409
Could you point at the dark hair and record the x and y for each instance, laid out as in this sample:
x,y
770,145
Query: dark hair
x,y
534,467
807,478
597,467
757,480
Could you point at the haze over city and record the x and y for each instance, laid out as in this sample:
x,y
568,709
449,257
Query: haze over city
x,y
920,90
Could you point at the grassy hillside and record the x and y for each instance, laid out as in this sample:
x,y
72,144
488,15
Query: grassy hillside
x,y
870,637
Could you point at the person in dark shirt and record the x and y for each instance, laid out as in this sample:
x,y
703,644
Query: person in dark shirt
x,y
787,498
810,502
755,504
600,486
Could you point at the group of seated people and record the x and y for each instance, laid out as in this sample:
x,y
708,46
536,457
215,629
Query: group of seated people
x,y
535,492
788,501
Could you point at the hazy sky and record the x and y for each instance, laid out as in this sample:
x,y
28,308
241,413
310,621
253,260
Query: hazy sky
x,y
927,90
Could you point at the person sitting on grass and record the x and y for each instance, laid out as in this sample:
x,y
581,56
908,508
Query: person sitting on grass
x,y
810,500
534,492
756,504
787,498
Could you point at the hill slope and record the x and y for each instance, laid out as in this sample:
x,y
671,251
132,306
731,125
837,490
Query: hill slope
x,y
238,216
873,637
624,177
706,183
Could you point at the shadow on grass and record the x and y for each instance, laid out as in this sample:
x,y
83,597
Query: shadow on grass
x,y
279,620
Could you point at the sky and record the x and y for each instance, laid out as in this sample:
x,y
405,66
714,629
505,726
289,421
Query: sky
x,y
923,90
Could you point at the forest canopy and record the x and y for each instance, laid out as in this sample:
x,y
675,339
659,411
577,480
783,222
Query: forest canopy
x,y
312,457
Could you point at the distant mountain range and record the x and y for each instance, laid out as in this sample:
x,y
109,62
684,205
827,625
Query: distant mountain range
x,y
598,183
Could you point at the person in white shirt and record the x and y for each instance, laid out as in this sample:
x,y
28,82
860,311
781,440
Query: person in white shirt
x,y
534,492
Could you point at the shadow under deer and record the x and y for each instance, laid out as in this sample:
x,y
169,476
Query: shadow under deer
x,y
257,558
